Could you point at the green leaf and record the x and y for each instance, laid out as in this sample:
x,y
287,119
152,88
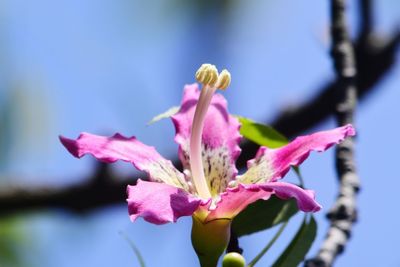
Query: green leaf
x,y
301,243
11,241
261,134
263,214
170,112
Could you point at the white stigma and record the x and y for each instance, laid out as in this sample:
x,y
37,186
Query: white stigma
x,y
207,75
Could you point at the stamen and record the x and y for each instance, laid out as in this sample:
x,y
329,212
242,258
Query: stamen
x,y
224,80
208,76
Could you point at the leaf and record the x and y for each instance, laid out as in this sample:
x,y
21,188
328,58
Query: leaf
x,y
170,112
261,134
263,214
11,240
301,243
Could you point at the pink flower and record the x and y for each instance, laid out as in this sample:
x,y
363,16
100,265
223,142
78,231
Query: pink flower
x,y
209,187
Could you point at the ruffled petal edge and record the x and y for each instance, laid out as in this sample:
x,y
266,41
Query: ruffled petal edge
x,y
234,200
119,147
159,203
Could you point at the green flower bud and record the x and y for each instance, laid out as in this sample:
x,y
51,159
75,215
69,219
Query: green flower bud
x,y
233,259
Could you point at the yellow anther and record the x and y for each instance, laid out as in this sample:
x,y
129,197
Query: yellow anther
x,y
207,74
224,79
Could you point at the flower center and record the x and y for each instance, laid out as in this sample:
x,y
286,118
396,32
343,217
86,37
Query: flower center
x,y
208,76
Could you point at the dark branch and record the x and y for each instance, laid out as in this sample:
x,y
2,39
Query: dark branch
x,y
375,57
100,191
344,212
233,245
367,20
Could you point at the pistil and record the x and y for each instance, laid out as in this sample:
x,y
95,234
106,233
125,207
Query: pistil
x,y
211,80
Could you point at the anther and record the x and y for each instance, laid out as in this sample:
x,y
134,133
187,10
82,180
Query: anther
x,y
207,74
224,79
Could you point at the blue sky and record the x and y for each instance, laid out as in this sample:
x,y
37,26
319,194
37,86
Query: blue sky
x,y
108,66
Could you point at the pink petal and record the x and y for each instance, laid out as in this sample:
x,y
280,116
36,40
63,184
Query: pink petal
x,y
118,147
159,203
220,137
273,164
305,198
233,201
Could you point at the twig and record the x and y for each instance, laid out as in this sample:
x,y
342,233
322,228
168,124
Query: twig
x,y
375,56
100,191
344,212
367,21
233,245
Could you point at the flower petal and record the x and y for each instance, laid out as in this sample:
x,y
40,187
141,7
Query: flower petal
x,y
234,200
220,138
305,198
273,164
118,147
159,203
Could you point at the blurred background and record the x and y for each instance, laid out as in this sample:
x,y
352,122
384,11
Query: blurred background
x,y
110,66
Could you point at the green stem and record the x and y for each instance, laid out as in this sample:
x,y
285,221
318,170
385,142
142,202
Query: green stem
x,y
134,248
269,245
299,176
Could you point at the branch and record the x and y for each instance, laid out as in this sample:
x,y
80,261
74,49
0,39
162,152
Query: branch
x,y
375,57
344,212
233,245
103,189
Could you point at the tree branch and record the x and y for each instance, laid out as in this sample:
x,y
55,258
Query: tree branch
x,y
233,245
344,212
375,58
103,189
